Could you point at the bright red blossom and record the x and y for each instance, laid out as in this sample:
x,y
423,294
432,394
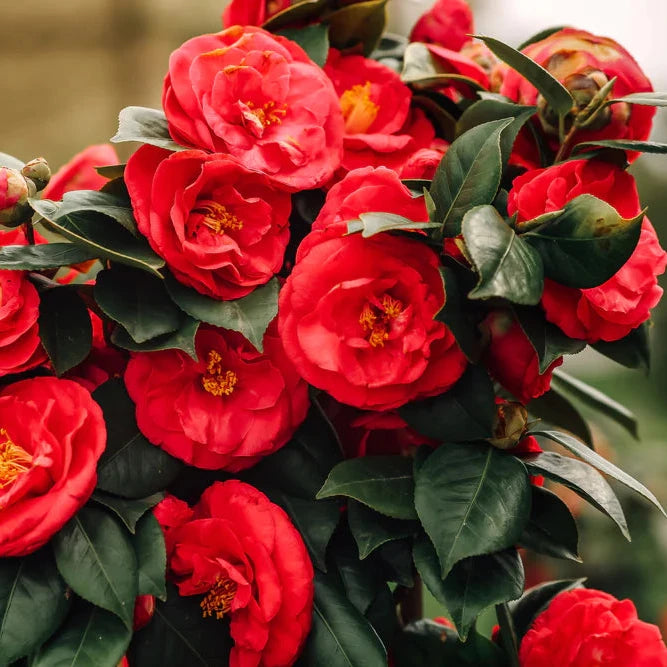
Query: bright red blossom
x,y
610,311
227,410
52,434
243,556
251,12
584,627
220,227
259,98
448,23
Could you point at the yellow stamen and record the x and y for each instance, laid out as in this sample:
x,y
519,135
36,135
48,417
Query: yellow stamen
x,y
392,307
269,113
14,460
359,111
377,325
218,600
217,381
217,218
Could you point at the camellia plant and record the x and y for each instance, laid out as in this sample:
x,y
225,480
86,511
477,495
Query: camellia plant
x,y
299,356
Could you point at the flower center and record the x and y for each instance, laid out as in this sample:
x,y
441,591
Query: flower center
x,y
14,460
217,381
269,113
376,321
359,110
218,600
217,218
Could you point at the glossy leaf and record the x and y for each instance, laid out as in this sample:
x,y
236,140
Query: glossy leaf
x,y
370,224
465,412
96,558
555,409
149,548
43,256
422,69
469,174
648,99
584,480
587,244
553,91
358,24
551,529
633,351
624,145
129,511
508,267
130,466
250,315
384,483
149,126
113,206
139,303
593,458
313,39
65,328
472,500
303,11
183,339
90,637
340,636
33,603
371,530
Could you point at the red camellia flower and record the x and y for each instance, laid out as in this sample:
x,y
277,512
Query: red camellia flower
x,y
424,163
227,410
242,554
512,360
584,627
221,228
610,311
259,98
79,173
462,64
584,63
448,23
251,12
14,194
52,434
380,127
20,345
356,317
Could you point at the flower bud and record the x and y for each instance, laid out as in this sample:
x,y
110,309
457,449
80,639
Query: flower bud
x,y
38,172
144,608
14,194
509,426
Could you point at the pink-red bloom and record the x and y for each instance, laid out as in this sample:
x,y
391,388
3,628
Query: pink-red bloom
x,y
52,434
259,98
251,12
585,627
448,23
243,556
227,410
221,227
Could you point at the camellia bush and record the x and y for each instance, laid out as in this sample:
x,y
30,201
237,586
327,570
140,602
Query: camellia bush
x,y
299,357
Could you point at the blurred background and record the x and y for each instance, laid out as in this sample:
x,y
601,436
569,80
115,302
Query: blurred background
x,y
69,67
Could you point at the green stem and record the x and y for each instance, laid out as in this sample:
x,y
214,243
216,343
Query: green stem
x,y
564,149
29,232
507,634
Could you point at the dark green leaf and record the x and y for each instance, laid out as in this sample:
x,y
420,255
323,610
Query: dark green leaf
x,y
370,224
313,39
396,560
118,208
33,603
584,480
129,511
596,400
508,267
648,99
472,500
44,256
593,458
465,412
183,339
96,558
543,34
437,108
138,302
90,637
11,162
112,171
151,556
535,600
469,174
555,409
371,530
551,530
149,126
587,244
304,11
384,483
178,636
65,328
250,315
625,145
360,23
381,614
340,636
362,579
548,341
130,466
553,91
94,231
633,351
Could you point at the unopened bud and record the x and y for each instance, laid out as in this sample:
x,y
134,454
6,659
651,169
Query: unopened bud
x,y
38,172
14,194
510,425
